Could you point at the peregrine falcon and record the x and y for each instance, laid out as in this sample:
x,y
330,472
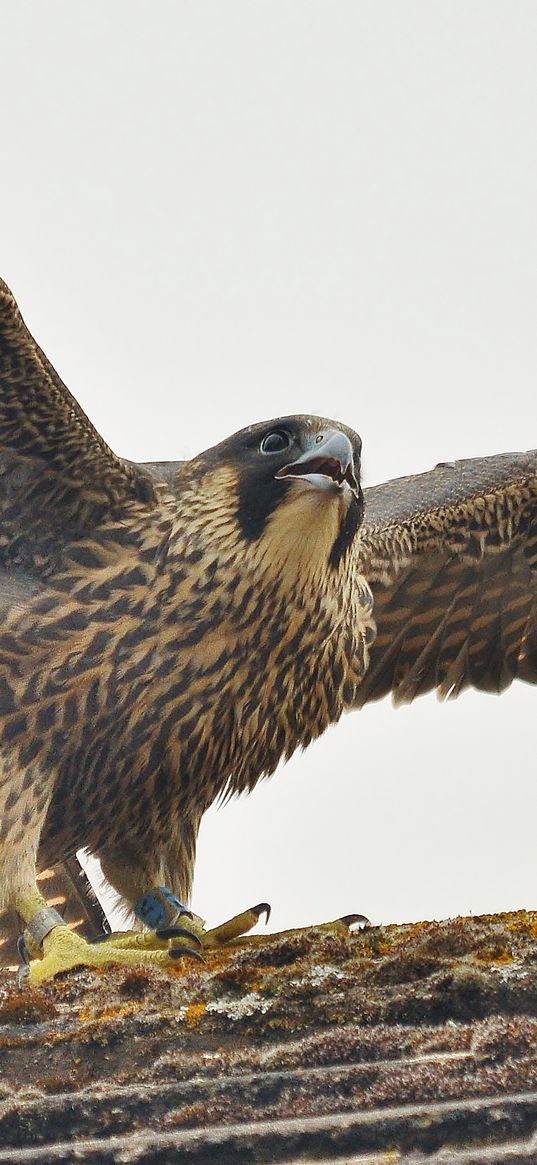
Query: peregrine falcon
x,y
170,631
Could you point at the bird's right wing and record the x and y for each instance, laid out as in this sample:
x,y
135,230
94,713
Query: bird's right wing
x,y
451,559
58,477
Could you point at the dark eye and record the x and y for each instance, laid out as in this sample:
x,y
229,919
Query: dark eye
x,y
275,442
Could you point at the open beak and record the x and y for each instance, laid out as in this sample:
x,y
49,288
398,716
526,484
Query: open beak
x,y
328,464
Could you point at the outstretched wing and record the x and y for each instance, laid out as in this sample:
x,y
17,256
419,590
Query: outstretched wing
x,y
58,478
451,557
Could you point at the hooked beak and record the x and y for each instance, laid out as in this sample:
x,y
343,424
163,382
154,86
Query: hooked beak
x,y
328,465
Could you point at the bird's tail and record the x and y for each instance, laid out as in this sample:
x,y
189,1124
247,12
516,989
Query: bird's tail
x,y
67,888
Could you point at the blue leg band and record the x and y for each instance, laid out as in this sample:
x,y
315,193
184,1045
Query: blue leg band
x,y
159,908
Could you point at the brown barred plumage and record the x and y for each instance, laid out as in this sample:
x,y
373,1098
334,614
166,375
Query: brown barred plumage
x,y
451,559
169,632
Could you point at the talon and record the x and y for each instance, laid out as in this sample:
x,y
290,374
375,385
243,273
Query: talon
x,y
100,938
183,952
177,932
235,927
22,975
24,953
350,919
262,908
184,913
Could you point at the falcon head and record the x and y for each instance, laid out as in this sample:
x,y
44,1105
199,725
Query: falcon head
x,y
296,486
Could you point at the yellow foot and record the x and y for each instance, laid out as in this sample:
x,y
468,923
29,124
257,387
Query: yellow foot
x,y
63,950
179,940
235,927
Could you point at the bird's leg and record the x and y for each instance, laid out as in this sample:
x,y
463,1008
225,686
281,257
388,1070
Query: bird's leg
x,y
162,911
166,930
62,949
168,921
54,947
172,926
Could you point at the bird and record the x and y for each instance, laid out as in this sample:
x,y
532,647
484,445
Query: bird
x,y
170,631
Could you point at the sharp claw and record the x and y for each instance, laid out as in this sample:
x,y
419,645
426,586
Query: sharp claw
x,y
23,950
182,952
100,938
262,908
22,975
350,919
178,932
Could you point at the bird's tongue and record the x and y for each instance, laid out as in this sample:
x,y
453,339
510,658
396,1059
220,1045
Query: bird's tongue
x,y
330,467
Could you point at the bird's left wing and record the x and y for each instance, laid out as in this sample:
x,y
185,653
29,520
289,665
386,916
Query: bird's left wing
x,y
451,558
58,477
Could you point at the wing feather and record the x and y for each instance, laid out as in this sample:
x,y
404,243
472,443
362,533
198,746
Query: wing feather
x,y
58,477
451,558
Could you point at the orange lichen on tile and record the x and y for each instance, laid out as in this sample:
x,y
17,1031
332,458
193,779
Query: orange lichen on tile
x,y
27,1007
103,1014
194,1013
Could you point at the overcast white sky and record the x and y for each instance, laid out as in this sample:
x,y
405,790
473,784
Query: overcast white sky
x,y
218,211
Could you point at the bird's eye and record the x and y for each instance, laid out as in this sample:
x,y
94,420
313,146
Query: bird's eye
x,y
275,442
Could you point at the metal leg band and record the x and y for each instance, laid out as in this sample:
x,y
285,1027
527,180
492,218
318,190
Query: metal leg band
x,y
43,922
